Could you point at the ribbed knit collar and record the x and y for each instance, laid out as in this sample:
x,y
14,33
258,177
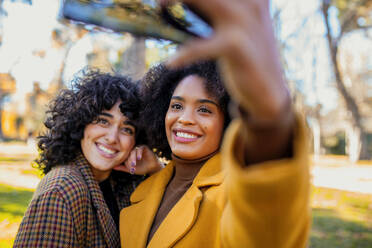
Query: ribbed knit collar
x,y
186,169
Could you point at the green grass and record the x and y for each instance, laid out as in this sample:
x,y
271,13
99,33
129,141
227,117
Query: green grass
x,y
340,219
13,204
332,230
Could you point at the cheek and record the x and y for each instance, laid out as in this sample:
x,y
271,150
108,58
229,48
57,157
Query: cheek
x,y
87,137
126,146
85,140
169,119
85,147
92,131
215,130
127,143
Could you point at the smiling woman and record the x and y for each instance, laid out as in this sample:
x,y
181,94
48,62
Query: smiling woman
x,y
91,128
194,122
107,141
193,98
210,194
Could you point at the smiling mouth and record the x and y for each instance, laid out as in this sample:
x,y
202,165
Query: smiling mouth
x,y
185,136
105,150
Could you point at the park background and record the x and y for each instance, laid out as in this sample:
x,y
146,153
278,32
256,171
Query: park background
x,y
326,52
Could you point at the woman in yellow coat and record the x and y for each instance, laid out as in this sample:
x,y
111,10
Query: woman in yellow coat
x,y
249,190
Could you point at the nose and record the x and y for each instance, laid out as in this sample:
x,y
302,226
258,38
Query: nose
x,y
111,135
187,117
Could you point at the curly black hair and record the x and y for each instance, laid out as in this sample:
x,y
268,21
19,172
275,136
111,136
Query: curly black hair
x,y
157,88
73,109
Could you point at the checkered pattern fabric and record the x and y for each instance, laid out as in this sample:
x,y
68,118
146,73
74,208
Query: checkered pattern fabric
x,y
69,210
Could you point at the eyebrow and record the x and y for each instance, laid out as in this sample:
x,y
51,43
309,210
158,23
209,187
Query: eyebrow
x,y
107,114
129,122
200,100
126,122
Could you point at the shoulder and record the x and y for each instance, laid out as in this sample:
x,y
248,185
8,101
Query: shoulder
x,y
65,181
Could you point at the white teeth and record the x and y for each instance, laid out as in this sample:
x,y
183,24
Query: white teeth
x,y
185,135
106,150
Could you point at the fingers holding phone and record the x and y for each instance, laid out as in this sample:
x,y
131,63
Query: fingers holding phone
x,y
244,42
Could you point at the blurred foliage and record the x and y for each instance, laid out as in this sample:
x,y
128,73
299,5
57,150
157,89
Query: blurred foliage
x,y
159,53
12,160
353,14
34,171
335,144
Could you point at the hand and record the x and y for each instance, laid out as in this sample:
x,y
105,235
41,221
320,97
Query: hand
x,y
244,43
140,161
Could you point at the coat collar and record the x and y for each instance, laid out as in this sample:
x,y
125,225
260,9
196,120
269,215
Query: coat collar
x,y
210,174
105,219
147,197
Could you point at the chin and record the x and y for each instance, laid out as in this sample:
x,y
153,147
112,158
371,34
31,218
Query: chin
x,y
107,168
185,155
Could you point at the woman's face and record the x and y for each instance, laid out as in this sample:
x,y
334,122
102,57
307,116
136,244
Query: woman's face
x,y
108,141
194,121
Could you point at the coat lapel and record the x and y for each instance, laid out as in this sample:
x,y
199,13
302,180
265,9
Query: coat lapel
x,y
106,222
136,220
184,214
140,215
179,220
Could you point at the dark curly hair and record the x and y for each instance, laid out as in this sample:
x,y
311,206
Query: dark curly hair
x,y
157,88
73,109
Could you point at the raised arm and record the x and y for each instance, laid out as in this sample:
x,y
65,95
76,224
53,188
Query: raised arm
x,y
245,46
264,151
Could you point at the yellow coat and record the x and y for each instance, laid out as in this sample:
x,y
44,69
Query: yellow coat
x,y
265,205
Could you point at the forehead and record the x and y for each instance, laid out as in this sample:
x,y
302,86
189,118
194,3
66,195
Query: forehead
x,y
115,112
192,86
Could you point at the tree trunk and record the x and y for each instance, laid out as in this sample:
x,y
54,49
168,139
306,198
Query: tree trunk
x,y
351,106
353,143
60,82
315,127
133,59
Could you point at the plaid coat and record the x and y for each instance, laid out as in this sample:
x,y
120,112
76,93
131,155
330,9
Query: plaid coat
x,y
69,210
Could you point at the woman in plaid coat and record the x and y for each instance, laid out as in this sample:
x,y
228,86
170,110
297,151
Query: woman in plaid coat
x,y
91,128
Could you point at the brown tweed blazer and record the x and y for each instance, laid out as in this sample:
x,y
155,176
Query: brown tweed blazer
x,y
68,209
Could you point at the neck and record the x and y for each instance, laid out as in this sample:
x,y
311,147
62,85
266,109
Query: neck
x,y
187,169
100,176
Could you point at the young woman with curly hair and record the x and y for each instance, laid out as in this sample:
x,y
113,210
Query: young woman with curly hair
x,y
247,186
91,128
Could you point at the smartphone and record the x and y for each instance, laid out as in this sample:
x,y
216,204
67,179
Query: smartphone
x,y
177,22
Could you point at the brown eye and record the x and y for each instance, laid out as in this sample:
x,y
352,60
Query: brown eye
x,y
127,130
176,106
204,110
101,121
